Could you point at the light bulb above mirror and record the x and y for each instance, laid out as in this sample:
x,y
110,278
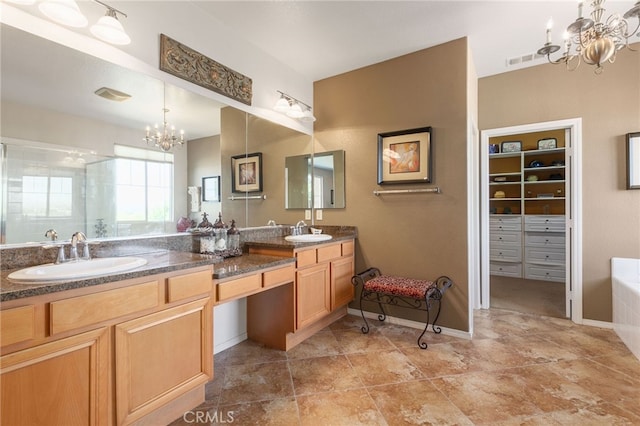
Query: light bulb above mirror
x,y
294,108
68,13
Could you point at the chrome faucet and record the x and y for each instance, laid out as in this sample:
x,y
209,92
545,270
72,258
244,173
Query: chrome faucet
x,y
75,239
298,228
51,233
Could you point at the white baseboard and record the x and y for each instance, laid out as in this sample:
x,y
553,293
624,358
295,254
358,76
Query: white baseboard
x,y
411,324
229,343
596,323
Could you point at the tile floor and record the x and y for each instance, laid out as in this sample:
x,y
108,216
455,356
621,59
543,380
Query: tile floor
x,y
519,369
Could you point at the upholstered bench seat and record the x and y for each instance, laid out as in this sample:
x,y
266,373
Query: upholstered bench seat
x,y
400,286
403,292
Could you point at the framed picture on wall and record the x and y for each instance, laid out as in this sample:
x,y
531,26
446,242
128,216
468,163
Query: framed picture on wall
x,y
211,188
404,156
246,172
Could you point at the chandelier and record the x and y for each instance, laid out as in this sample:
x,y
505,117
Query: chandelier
x,y
592,40
166,138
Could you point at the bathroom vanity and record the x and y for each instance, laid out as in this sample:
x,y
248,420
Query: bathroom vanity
x,y
137,347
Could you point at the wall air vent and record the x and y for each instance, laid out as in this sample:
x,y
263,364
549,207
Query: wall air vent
x,y
522,59
112,94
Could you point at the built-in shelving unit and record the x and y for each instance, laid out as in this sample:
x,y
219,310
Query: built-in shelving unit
x,y
527,198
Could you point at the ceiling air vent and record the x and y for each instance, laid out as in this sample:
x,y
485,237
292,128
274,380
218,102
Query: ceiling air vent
x,y
522,59
112,94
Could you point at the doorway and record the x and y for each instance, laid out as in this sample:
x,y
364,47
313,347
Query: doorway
x,y
524,205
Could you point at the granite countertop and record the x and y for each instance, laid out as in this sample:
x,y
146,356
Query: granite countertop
x,y
280,242
157,263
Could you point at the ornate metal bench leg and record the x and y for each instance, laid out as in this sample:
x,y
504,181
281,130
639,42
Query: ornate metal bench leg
x,y
421,344
365,327
383,315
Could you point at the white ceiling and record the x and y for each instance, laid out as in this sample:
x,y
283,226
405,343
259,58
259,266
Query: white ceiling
x,y
318,39
321,39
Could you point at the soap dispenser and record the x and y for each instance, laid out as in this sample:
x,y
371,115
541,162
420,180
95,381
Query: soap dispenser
x,y
220,232
233,237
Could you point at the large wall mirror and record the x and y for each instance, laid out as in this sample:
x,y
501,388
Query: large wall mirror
x,y
62,136
315,181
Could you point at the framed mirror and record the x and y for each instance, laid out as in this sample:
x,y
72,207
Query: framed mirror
x,y
633,160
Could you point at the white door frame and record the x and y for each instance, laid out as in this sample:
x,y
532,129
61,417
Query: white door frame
x,y
573,210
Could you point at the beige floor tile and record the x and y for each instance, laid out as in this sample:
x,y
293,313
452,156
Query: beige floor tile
x,y
353,340
416,402
256,382
276,412
321,343
487,397
378,368
519,369
323,374
348,408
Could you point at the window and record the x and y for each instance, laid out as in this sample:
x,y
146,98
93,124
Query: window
x,y
47,196
144,191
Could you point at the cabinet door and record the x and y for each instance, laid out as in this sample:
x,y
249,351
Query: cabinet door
x,y
161,356
341,287
65,382
312,294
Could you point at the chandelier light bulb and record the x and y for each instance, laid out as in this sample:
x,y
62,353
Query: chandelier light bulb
x,y
110,30
593,40
64,12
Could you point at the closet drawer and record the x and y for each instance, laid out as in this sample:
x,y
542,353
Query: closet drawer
x,y
505,238
544,223
544,255
505,223
506,253
542,239
506,269
544,272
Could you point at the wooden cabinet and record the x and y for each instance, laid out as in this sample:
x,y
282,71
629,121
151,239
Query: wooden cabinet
x,y
312,294
322,290
116,353
342,290
64,382
161,356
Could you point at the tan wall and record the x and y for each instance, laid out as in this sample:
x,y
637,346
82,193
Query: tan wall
x,y
416,235
204,160
609,105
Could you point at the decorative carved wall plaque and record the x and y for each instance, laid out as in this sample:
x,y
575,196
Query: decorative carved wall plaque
x,y
186,63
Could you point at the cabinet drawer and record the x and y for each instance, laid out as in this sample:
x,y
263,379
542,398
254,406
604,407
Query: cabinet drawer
x,y
81,311
18,324
188,285
544,255
305,258
348,248
544,223
545,272
542,239
239,287
329,252
505,238
506,269
505,224
279,276
509,254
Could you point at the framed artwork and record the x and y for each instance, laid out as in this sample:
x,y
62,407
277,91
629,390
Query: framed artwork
x,y
246,172
211,188
550,143
404,156
633,160
511,146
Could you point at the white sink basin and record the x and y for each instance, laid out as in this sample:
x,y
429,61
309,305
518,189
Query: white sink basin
x,y
308,238
75,270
